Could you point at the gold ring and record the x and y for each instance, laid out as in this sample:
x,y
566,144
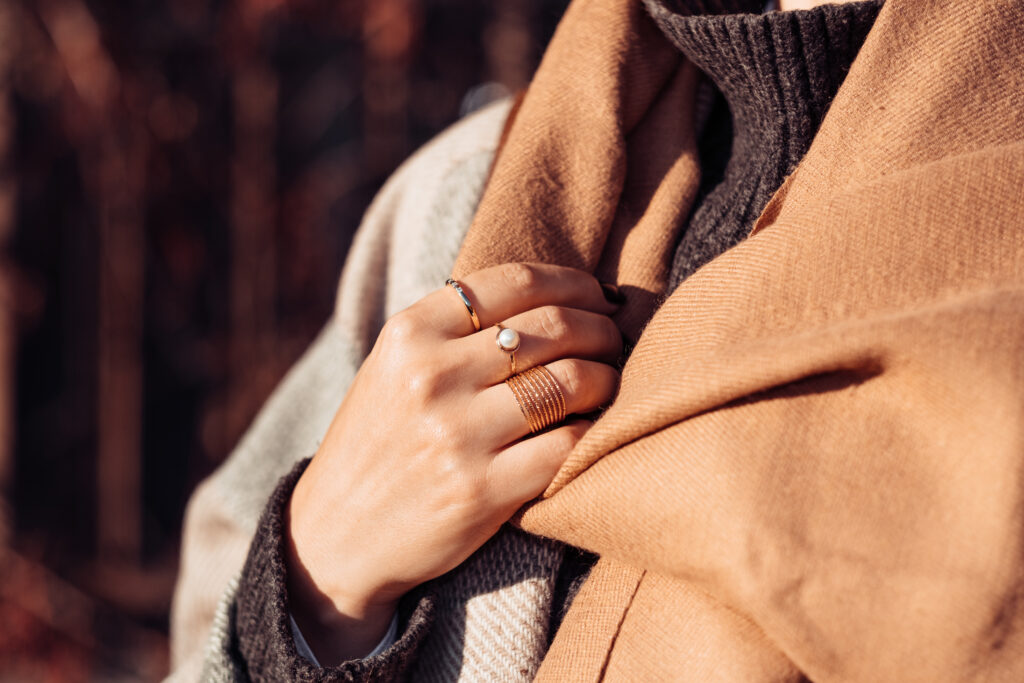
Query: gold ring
x,y
539,397
508,341
454,284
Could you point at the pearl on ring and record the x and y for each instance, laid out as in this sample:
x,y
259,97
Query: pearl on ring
x,y
508,340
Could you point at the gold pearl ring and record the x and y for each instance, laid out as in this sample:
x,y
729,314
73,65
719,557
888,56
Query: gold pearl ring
x,y
508,341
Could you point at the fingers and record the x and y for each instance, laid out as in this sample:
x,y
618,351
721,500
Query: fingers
x,y
522,471
586,386
546,334
504,291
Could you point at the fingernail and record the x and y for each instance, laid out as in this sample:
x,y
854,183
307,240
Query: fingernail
x,y
612,294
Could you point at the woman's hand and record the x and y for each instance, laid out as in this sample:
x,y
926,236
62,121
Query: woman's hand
x,y
429,452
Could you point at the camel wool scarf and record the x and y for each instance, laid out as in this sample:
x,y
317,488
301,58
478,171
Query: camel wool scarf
x,y
815,463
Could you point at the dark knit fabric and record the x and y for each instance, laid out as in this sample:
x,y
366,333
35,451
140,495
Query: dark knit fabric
x,y
264,636
778,72
776,75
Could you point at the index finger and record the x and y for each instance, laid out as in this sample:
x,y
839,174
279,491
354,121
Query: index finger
x,y
501,292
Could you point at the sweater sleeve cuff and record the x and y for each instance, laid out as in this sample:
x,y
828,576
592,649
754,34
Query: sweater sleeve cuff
x,y
306,651
265,640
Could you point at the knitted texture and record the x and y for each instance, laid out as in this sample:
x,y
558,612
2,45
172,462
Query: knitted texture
x,y
815,449
778,73
263,630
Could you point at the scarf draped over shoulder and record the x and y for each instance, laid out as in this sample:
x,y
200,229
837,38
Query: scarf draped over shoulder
x,y
815,463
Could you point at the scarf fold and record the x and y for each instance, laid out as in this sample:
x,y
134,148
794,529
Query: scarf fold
x,y
815,463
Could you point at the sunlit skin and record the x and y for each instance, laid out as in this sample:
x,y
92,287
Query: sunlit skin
x,y
426,456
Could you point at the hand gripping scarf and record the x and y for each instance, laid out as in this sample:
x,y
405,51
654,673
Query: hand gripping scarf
x,y
815,463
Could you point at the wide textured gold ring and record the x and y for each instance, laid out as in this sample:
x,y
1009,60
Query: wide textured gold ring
x,y
508,341
454,284
539,397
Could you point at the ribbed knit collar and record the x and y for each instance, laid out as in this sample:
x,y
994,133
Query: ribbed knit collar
x,y
778,71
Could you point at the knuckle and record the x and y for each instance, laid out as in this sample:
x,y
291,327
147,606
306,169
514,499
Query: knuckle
x,y
453,441
458,486
423,383
570,435
577,429
612,378
448,467
474,490
554,322
571,377
521,277
612,332
400,329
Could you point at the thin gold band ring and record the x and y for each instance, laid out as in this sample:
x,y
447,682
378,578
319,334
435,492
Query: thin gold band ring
x,y
454,284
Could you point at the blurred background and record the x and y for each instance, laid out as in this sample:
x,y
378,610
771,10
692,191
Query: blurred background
x,y
179,184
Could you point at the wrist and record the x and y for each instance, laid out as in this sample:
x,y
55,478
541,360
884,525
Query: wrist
x,y
333,638
341,619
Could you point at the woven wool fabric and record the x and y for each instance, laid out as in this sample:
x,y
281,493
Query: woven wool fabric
x,y
814,464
